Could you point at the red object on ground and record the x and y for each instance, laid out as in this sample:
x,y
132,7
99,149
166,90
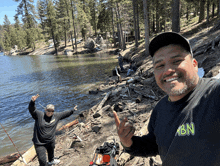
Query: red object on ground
x,y
106,158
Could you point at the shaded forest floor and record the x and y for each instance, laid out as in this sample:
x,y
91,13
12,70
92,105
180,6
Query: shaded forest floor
x,y
123,98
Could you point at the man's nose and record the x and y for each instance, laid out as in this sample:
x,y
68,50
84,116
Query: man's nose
x,y
168,69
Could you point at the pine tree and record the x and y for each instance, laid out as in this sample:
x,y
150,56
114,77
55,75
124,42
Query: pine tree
x,y
6,34
51,24
104,18
62,9
41,8
83,17
20,34
73,8
27,11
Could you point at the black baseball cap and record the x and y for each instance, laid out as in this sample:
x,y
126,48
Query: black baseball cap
x,y
167,38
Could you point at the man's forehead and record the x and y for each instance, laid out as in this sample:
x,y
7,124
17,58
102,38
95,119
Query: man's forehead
x,y
170,52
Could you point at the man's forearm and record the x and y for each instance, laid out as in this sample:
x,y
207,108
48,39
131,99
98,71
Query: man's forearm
x,y
31,107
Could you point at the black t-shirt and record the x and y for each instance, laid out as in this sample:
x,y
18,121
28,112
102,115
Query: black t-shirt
x,y
185,132
45,127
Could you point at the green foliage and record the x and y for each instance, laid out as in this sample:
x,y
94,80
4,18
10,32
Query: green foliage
x,y
27,10
104,18
83,16
90,18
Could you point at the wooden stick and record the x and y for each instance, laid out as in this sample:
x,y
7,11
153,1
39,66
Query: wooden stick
x,y
103,101
119,76
69,124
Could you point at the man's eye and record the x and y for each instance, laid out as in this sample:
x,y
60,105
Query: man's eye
x,y
177,61
159,66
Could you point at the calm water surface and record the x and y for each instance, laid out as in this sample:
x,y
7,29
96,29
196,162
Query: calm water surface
x,y
60,80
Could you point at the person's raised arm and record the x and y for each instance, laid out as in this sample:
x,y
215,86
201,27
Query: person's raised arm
x,y
65,114
34,98
32,107
125,130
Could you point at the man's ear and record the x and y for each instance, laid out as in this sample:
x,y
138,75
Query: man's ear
x,y
195,64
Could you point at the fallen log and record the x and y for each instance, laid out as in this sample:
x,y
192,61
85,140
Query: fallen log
x,y
116,91
119,76
204,48
10,158
69,124
28,156
145,95
103,101
100,112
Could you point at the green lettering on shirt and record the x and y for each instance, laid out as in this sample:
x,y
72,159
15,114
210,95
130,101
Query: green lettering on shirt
x,y
186,129
190,128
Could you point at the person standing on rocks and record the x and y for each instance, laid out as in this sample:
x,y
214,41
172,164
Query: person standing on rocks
x,y
184,127
120,61
44,130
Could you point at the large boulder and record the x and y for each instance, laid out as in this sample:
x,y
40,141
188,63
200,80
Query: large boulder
x,y
90,44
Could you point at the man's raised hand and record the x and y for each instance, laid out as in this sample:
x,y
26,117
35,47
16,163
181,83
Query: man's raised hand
x,y
125,130
34,98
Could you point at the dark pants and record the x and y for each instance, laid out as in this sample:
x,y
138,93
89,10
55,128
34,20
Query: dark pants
x,y
121,66
41,153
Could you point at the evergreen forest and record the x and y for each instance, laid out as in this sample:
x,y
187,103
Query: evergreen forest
x,y
118,21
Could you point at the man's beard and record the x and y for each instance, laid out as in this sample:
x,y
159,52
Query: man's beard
x,y
187,86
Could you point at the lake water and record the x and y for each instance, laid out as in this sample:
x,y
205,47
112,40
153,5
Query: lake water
x,y
60,80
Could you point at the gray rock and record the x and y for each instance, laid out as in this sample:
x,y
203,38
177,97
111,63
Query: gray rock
x,y
90,44
96,128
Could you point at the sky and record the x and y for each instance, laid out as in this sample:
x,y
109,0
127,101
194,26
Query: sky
x,y
8,7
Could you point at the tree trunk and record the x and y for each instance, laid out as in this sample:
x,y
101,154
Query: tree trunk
x,y
208,4
65,31
74,25
120,28
153,24
218,8
176,16
120,35
113,28
157,16
135,24
138,27
71,33
213,9
187,12
202,10
146,27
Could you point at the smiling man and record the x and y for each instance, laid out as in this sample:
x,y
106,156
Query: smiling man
x,y
184,127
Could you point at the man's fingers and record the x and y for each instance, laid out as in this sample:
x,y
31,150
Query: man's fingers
x,y
117,121
131,133
122,125
128,129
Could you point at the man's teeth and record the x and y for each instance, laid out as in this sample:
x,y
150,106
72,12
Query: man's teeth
x,y
171,79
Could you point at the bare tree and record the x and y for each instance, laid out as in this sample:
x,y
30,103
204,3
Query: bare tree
x,y
146,27
135,23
